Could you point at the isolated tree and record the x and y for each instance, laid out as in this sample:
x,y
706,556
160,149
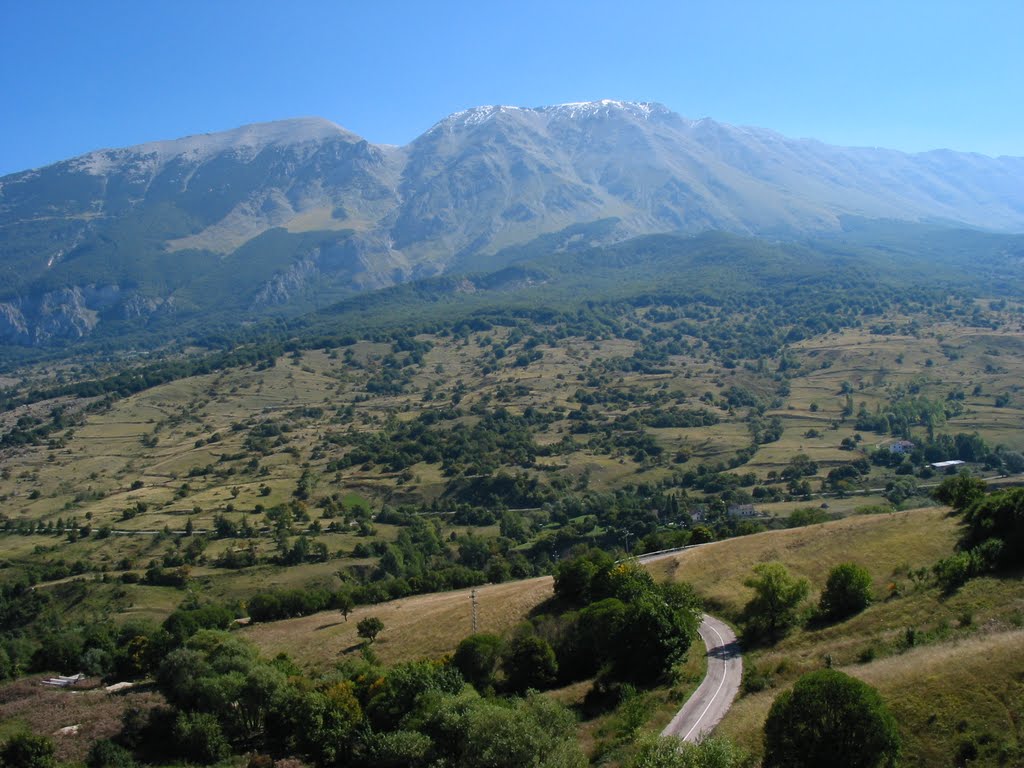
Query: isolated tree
x,y
774,608
369,628
830,719
345,603
847,591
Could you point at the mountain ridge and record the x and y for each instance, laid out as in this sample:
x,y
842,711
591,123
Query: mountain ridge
x,y
270,216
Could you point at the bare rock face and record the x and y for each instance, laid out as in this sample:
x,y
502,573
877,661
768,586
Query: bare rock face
x,y
270,217
13,326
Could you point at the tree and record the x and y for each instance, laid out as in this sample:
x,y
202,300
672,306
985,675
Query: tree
x,y
534,731
529,662
199,738
776,602
574,579
369,628
26,750
960,491
847,591
345,603
829,718
477,659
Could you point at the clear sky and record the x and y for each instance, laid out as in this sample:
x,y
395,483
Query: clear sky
x,y
911,75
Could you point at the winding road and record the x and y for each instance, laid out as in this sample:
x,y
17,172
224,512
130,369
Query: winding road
x,y
712,699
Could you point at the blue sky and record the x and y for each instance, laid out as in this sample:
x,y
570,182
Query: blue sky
x,y
75,76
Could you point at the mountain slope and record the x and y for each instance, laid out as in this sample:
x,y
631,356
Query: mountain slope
x,y
280,217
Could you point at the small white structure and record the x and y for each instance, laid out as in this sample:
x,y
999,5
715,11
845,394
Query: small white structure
x,y
901,447
741,510
946,464
64,681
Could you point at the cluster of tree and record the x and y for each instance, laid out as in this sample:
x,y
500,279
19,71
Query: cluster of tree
x,y
623,622
778,602
993,535
499,439
610,620
967,447
224,698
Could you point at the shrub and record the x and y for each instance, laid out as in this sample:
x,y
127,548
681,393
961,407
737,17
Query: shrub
x,y
199,738
847,591
26,750
106,754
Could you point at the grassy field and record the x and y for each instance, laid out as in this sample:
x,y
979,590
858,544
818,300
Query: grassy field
x,y
950,690
958,687
425,626
888,545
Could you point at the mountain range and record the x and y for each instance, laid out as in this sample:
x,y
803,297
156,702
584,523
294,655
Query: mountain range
x,y
283,217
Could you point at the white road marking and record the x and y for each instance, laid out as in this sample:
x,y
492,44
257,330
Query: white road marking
x,y
725,664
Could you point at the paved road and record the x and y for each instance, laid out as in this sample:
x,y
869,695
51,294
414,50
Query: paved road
x,y
709,703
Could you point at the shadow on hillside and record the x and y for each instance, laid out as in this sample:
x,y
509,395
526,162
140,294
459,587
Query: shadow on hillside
x,y
329,625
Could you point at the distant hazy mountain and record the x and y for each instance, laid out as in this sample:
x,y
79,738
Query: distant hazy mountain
x,y
283,216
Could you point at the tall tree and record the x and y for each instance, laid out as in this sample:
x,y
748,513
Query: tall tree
x,y
775,606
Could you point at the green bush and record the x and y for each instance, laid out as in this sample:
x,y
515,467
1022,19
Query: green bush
x,y
199,738
26,750
830,719
847,591
106,754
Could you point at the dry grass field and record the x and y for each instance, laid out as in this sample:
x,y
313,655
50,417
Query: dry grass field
x,y
425,626
885,544
26,705
945,697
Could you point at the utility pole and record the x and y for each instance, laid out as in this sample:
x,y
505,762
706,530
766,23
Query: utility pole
x,y
476,611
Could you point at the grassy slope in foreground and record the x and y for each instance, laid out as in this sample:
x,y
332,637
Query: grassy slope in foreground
x,y
431,625
961,690
958,691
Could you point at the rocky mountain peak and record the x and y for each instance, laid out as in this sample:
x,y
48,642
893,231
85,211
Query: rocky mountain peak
x,y
275,213
643,110
247,140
